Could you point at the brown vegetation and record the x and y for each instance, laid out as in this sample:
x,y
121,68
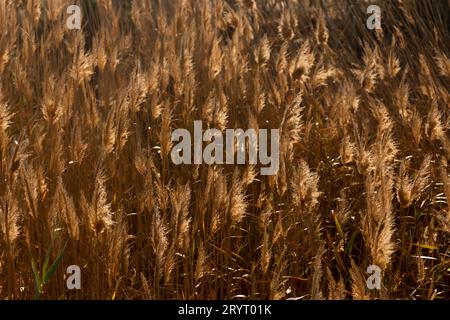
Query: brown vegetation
x,y
86,118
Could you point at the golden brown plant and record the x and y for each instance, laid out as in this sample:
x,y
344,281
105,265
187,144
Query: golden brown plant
x,y
86,118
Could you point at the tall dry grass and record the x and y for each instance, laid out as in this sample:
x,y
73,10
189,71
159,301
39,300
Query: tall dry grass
x,y
86,119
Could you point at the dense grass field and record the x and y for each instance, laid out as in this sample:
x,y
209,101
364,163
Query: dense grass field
x,y
87,179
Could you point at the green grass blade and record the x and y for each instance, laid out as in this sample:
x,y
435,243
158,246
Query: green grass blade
x,y
37,280
47,260
54,265
338,225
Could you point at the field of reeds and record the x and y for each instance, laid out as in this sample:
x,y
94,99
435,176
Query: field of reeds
x,y
86,176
